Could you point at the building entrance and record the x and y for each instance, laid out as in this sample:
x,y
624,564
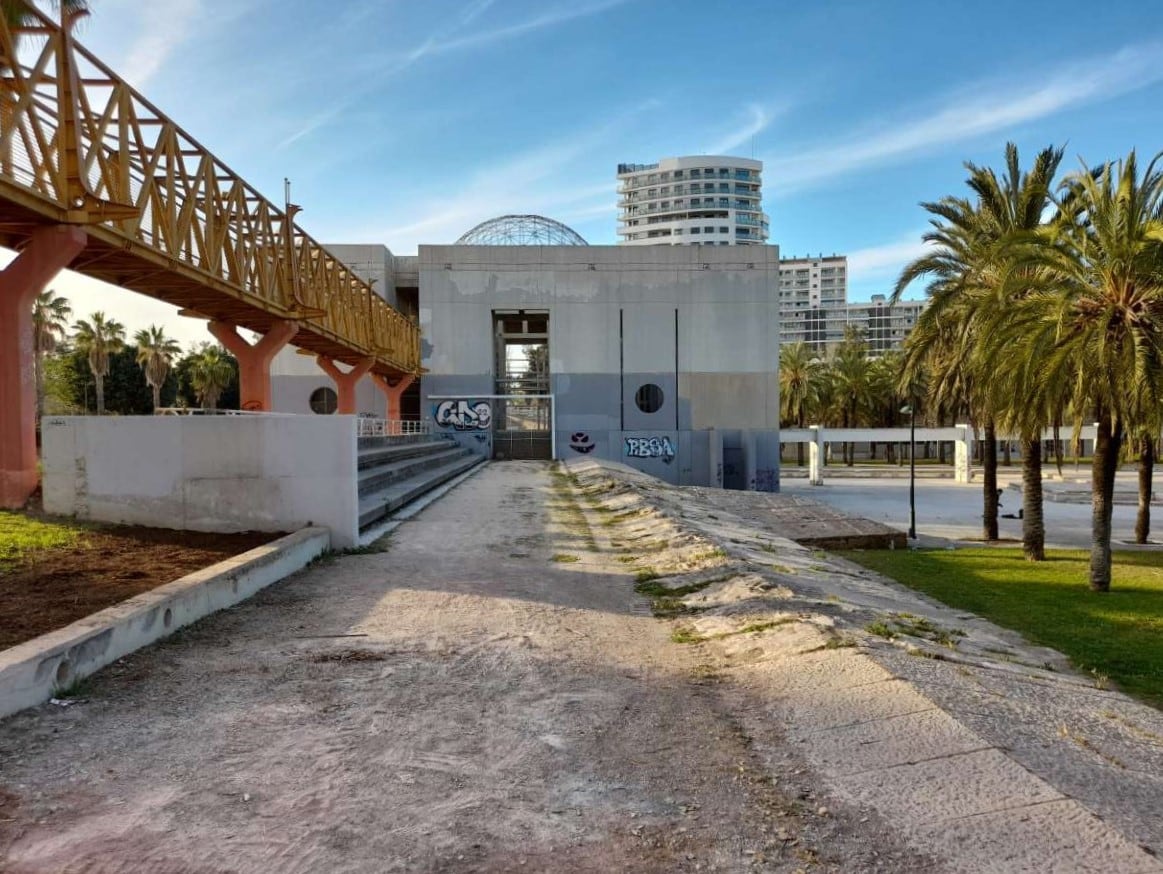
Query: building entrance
x,y
523,411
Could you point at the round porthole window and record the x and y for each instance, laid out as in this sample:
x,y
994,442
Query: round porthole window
x,y
324,401
649,398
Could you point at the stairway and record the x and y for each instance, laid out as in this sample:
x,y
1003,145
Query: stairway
x,y
393,471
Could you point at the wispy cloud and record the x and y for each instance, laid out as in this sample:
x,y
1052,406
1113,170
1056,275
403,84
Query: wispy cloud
x,y
985,108
446,41
882,264
164,26
757,121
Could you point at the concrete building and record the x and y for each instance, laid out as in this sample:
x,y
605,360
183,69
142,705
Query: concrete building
x,y
813,300
885,326
707,199
663,359
814,307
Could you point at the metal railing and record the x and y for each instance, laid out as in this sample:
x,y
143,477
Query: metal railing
x,y
369,427
164,216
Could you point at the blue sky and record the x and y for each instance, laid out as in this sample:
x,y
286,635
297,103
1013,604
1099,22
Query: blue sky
x,y
409,121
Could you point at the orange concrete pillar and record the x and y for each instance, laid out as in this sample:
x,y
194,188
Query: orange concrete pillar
x,y
254,362
393,393
345,383
48,251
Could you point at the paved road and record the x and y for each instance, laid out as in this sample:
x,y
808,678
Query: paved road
x,y
948,510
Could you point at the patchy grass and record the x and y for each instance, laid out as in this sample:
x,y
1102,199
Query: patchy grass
x,y
81,687
1117,635
22,536
645,575
565,557
686,635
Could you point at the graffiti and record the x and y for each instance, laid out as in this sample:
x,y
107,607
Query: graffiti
x,y
481,438
581,442
764,480
464,415
650,447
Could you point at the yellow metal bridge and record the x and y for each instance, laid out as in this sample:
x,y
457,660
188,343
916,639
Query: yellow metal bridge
x,y
162,215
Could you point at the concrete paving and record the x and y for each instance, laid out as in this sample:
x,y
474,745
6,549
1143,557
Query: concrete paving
x,y
951,511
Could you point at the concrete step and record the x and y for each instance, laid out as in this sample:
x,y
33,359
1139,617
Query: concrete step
x,y
377,455
376,506
378,477
394,440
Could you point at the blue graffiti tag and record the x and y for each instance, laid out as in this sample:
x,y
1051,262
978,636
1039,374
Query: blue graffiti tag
x,y
650,447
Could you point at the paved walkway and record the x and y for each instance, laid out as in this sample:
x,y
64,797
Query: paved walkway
x,y
950,511
490,694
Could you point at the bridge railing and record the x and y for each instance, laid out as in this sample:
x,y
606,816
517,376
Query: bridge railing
x,y
79,145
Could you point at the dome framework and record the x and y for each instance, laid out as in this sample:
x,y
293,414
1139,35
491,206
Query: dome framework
x,y
521,230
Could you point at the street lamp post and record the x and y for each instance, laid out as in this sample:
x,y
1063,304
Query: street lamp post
x,y
911,409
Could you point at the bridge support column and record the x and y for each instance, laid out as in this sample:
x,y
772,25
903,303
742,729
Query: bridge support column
x,y
816,457
963,455
254,362
345,383
48,251
393,393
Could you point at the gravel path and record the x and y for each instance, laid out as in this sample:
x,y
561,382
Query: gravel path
x,y
468,700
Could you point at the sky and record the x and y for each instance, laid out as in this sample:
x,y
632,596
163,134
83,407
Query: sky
x,y
409,121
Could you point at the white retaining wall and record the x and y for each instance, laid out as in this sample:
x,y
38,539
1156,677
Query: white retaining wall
x,y
31,672
212,473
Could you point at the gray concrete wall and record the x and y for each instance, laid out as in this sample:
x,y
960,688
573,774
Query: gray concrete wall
x,y
700,322
205,473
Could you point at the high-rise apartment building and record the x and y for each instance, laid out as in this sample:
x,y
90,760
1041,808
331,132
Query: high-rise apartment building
x,y
701,199
813,300
814,307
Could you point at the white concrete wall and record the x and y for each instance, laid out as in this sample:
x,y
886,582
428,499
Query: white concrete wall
x,y
213,473
33,671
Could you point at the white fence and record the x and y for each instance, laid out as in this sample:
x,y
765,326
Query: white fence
x,y
369,427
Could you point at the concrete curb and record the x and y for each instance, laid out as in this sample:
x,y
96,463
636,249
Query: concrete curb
x,y
31,672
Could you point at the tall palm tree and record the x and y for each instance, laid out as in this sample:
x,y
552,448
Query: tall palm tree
x,y
970,268
50,325
210,374
1014,207
800,377
155,354
99,338
1100,314
851,375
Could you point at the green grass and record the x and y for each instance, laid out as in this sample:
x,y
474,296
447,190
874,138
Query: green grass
x,y
1117,635
21,535
565,557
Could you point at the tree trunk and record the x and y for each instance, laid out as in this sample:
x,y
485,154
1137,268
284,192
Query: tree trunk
x,y
157,396
38,366
1033,525
989,481
872,451
800,454
99,378
1102,489
1146,472
1007,461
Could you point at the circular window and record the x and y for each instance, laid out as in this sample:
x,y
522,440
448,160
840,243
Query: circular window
x,y
324,401
649,398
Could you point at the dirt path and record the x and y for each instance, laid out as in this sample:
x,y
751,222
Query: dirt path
x,y
461,702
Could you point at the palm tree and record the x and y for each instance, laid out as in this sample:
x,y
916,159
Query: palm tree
x,y
210,374
1014,207
852,382
800,377
970,265
155,354
1100,313
50,321
99,338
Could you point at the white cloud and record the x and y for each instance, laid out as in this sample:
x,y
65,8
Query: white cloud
x,y
882,264
757,122
164,26
998,105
